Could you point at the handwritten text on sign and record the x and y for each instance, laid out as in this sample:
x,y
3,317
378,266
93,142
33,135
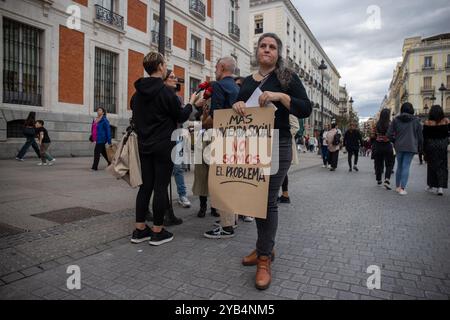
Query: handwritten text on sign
x,y
241,154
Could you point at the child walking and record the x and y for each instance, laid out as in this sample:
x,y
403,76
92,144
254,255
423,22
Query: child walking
x,y
44,144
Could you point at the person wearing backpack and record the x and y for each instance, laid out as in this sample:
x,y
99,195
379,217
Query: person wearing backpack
x,y
334,139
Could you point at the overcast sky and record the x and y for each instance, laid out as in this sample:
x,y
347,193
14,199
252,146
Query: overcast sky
x,y
364,55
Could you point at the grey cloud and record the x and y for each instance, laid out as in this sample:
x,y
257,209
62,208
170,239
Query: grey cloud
x,y
335,25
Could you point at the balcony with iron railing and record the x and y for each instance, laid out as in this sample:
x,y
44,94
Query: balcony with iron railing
x,y
197,8
428,66
108,17
427,89
167,40
447,65
234,31
259,30
197,56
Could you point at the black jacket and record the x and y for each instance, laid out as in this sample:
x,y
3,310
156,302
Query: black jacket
x,y
300,104
156,113
352,140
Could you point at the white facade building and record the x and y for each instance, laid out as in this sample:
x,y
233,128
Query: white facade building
x,y
64,72
302,52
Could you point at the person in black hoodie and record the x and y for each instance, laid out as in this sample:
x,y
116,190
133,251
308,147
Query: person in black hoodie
x,y
352,142
156,113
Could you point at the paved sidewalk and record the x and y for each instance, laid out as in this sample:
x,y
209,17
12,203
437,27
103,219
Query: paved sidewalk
x,y
338,225
27,190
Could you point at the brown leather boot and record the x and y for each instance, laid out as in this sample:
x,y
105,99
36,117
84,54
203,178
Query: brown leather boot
x,y
252,259
263,273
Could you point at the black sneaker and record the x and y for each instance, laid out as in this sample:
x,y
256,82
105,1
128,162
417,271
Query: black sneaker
x,y
350,170
217,224
214,213
202,212
355,168
284,199
220,233
160,238
387,185
140,236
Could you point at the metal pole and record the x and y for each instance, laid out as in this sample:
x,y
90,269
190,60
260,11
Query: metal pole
x,y
321,113
442,99
162,27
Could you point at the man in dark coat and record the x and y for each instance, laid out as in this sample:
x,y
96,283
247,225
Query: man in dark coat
x,y
352,142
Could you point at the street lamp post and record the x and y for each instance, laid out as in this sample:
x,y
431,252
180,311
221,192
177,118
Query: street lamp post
x,y
442,89
162,27
433,99
322,67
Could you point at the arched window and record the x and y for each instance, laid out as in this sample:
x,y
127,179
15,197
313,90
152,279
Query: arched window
x,y
14,129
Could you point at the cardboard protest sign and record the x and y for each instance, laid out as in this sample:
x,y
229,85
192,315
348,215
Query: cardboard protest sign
x,y
241,154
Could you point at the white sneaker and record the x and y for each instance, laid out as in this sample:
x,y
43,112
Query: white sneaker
x,y
41,164
50,163
19,159
184,202
403,192
53,160
249,219
429,189
440,192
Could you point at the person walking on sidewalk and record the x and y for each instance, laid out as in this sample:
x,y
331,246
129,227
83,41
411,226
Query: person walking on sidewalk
x,y
29,131
44,144
101,135
435,134
225,92
352,142
284,89
156,113
324,146
406,133
383,150
334,140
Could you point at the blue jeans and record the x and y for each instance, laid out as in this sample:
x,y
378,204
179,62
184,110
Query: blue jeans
x,y
404,160
31,142
325,155
178,174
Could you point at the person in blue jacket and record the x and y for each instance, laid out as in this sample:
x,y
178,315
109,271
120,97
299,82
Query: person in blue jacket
x,y
100,134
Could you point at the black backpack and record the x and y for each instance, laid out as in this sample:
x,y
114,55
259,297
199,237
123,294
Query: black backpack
x,y
337,139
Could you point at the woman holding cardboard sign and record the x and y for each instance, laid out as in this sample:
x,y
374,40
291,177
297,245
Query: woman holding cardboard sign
x,y
282,88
